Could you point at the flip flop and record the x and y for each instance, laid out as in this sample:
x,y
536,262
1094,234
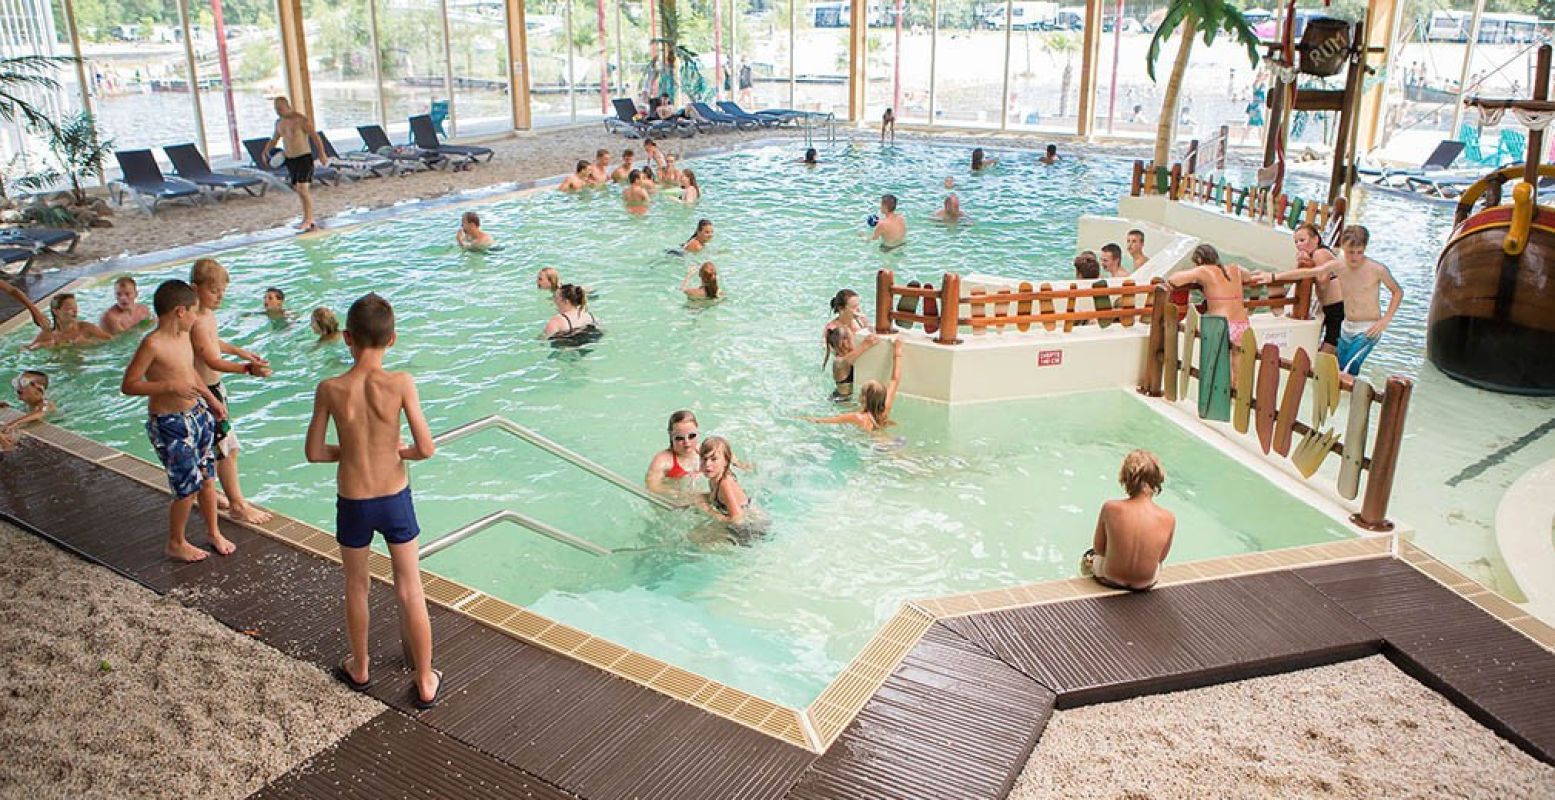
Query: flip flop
x,y
344,676
415,694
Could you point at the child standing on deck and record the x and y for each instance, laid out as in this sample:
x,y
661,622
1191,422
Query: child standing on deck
x,y
182,426
374,488
210,286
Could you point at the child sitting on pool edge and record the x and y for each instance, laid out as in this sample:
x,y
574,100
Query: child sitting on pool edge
x,y
32,389
1134,535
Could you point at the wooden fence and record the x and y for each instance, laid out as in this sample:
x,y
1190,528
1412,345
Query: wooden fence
x,y
1257,204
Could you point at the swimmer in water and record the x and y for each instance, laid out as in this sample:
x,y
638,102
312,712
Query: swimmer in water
x,y
31,387
1051,156
699,239
65,329
843,353
810,158
125,313
572,318
579,179
550,281
726,501
599,171
875,399
891,230
634,195
673,468
619,173
670,175
326,325
888,126
690,192
951,211
470,235
979,162
707,274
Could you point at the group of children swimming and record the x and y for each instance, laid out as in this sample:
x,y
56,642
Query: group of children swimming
x,y
639,182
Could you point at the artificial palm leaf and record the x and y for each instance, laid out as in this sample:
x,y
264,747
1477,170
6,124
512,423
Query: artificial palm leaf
x,y
20,73
1210,18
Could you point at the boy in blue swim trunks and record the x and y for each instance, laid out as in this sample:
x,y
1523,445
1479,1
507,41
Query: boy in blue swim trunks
x,y
374,488
1361,280
182,425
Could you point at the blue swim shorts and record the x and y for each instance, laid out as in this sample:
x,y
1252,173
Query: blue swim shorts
x,y
185,443
393,516
1354,345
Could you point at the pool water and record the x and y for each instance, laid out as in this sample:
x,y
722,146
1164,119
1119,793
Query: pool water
x,y
973,497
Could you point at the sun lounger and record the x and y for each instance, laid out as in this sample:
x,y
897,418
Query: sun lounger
x,y
190,165
625,122
1443,184
424,135
260,164
39,239
365,164
706,113
767,118
144,183
16,255
377,142
1446,152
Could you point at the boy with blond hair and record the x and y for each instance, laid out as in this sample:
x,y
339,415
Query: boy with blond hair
x,y
125,313
32,388
210,279
373,488
1360,286
183,417
1133,535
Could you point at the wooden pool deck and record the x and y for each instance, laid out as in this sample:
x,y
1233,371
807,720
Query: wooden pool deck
x,y
956,717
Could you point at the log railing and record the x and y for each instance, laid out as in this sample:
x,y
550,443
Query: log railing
x,y
1378,464
1256,204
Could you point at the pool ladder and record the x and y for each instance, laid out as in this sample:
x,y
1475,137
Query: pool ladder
x,y
495,518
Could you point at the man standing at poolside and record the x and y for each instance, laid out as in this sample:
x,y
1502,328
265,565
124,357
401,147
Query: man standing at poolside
x,y
299,141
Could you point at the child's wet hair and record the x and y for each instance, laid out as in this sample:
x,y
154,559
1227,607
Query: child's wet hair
x,y
703,223
888,202
1086,266
124,280
631,177
171,295
472,218
1206,254
60,299
872,396
1141,469
581,167
809,156
839,301
709,276
370,321
550,278
1354,236
691,177
30,377
206,270
275,290
1312,231
573,293
324,321
719,445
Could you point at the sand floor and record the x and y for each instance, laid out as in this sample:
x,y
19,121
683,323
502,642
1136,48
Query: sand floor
x,y
1352,730
111,691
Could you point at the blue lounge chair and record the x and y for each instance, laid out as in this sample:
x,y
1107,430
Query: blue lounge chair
x,y
1469,135
775,116
1511,146
376,141
15,255
363,164
259,163
143,182
190,165
39,239
424,135
625,122
707,114
1446,152
765,121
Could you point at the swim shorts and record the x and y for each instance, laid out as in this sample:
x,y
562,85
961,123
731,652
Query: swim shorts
x,y
1333,315
393,515
299,169
184,442
1354,345
226,437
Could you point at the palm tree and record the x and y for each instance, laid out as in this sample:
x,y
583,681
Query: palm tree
x,y
19,74
1210,17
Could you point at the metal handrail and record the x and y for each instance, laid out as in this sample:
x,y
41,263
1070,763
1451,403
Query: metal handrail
x,y
508,426
467,530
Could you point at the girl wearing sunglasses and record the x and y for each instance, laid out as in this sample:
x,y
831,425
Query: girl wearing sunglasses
x,y
673,466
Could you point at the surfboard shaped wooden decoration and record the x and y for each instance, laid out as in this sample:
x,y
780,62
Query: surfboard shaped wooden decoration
x,y
1247,361
979,311
1023,308
1046,304
1102,302
1190,338
1215,369
931,310
1126,302
1349,483
1268,387
1325,388
1001,308
1313,448
907,304
1169,358
1290,403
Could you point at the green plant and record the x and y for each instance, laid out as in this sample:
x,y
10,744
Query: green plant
x,y
1208,18
49,216
77,152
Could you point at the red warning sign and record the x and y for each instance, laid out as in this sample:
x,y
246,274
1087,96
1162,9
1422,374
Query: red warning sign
x,y
1050,358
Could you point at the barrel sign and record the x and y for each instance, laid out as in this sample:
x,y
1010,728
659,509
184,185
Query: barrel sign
x,y
1050,358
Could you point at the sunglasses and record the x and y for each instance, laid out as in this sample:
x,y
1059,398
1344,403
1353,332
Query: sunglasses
x,y
685,437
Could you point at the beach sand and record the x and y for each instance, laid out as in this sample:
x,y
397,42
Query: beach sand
x,y
1352,730
111,691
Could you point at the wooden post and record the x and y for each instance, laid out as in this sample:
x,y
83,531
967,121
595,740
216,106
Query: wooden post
x,y
884,279
1384,456
1136,183
1193,156
518,65
949,309
857,31
1090,57
294,55
1220,148
1176,182
1303,303
1155,352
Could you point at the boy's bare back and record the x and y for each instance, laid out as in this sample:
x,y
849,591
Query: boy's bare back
x,y
365,405
1139,535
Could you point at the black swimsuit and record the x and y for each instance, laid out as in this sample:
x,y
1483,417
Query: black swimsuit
x,y
575,335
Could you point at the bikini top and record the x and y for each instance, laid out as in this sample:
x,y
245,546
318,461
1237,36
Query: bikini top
x,y
676,470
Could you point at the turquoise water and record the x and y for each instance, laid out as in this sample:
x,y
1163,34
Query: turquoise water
x,y
978,496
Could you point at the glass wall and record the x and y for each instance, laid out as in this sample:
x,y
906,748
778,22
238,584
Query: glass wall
x,y
478,51
970,58
239,70
35,28
411,62
900,41
820,57
546,25
142,97
343,73
765,54
1128,103
1046,50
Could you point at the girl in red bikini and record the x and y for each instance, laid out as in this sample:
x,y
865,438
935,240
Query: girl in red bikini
x,y
672,466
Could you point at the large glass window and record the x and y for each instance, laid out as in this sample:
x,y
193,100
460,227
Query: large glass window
x,y
477,44
900,41
343,73
140,77
239,69
1046,46
1128,103
821,57
546,24
36,28
765,56
970,58
411,62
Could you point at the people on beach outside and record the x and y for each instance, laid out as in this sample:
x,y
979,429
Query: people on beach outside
x,y
690,190
700,238
1136,247
1221,285
1360,283
470,235
126,312
579,179
888,126
599,170
810,158
707,277
572,318
1050,156
726,501
325,325
635,195
672,468
891,228
32,388
65,329
373,489
1313,260
1112,260
625,167
275,302
183,415
653,153
843,354
1133,535
875,399
980,161
209,279
299,141
1086,266
847,312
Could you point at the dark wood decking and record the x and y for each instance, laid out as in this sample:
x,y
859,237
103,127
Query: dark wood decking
x,y
957,718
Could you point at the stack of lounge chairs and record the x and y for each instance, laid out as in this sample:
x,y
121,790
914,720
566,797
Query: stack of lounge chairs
x,y
704,119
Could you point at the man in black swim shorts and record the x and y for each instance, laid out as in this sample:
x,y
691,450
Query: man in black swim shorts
x,y
299,141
